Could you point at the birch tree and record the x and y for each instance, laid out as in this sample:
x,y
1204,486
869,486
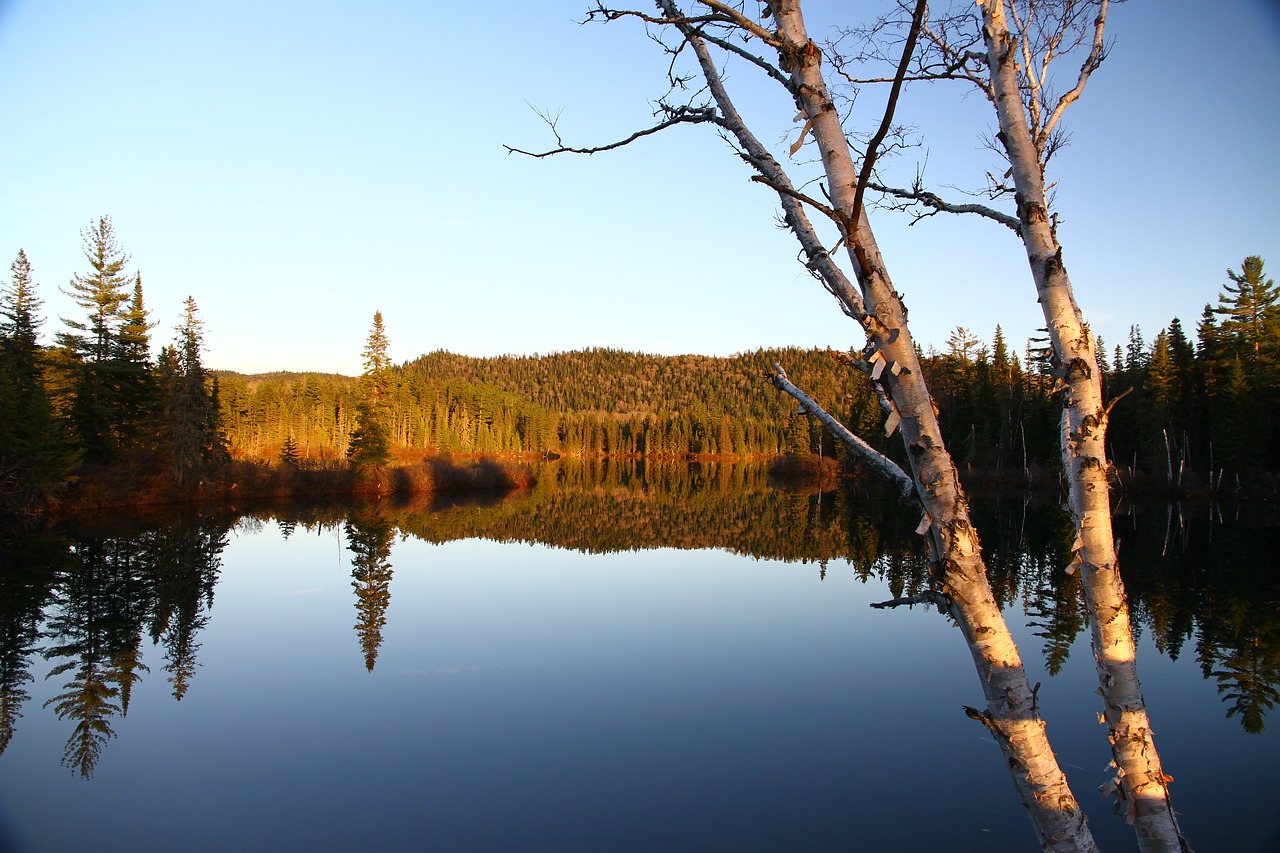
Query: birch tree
x,y
778,45
1017,89
1007,50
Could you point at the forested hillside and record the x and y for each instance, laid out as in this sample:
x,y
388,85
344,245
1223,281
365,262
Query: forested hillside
x,y
1182,411
598,401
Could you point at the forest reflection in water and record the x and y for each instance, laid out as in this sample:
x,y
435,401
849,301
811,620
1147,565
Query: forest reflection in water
x,y
77,606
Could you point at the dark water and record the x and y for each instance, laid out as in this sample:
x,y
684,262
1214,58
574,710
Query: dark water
x,y
622,659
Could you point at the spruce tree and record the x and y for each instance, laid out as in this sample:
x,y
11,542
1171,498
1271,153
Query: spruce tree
x,y
289,451
370,541
1236,425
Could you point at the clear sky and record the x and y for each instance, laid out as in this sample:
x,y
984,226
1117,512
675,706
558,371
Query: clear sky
x,y
297,166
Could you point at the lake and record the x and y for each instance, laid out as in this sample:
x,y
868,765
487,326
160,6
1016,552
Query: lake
x,y
625,657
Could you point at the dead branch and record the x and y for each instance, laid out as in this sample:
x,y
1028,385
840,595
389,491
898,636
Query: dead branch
x,y
939,205
868,454
1096,55
818,258
927,597
676,115
826,210
869,161
742,21
764,65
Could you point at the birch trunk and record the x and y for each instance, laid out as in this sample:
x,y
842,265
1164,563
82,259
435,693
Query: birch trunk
x,y
1140,781
1011,714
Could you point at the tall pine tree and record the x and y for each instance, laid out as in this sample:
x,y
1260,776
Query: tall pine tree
x,y
370,440
101,294
1250,308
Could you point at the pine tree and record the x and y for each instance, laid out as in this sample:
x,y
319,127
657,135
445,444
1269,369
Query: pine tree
x,y
1235,426
132,369
1158,437
1250,308
289,451
193,417
101,294
21,323
36,457
962,343
370,442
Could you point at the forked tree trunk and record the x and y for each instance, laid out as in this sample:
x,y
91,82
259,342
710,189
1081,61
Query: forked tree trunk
x,y
1140,781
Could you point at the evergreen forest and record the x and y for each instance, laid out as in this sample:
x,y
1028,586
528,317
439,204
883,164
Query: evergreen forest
x,y
1190,409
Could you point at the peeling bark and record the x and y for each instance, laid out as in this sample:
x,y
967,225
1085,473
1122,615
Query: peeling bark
x,y
1140,782
960,573
959,579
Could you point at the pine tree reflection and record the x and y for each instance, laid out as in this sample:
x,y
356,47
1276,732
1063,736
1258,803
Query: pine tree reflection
x,y
188,558
109,592
81,633
370,536
1247,672
29,564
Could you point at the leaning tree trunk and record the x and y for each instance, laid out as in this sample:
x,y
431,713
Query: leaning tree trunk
x,y
1140,781
1011,713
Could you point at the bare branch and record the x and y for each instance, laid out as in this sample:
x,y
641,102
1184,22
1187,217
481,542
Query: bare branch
x,y
1096,55
877,460
742,21
676,115
818,259
929,596
787,190
946,57
939,205
768,67
609,15
869,161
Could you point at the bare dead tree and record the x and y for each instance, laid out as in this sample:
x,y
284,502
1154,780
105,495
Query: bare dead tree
x,y
959,584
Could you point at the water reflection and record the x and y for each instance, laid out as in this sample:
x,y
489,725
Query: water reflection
x,y
84,600
97,595
369,538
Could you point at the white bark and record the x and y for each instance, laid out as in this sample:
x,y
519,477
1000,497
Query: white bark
x,y
1011,713
880,463
1140,781
959,578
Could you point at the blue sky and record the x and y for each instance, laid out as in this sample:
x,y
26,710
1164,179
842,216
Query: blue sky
x,y
296,167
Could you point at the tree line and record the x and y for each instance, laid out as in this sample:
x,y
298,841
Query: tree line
x,y
1187,410
97,396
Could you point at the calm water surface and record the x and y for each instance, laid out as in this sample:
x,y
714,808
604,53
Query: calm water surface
x,y
619,660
